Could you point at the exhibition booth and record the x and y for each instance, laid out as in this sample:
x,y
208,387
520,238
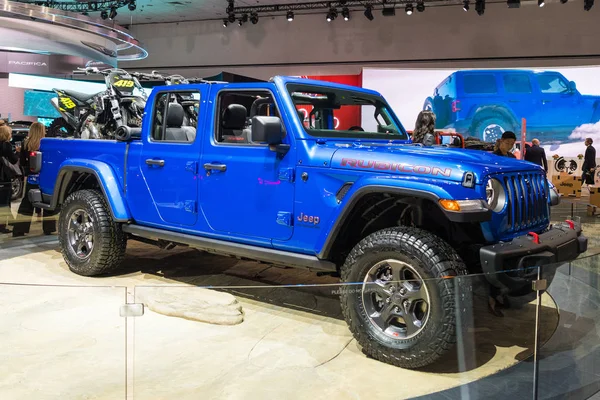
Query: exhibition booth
x,y
207,231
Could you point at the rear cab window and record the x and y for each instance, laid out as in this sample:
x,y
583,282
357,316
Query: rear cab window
x,y
517,83
480,84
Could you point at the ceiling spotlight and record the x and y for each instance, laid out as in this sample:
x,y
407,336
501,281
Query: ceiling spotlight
x,y
588,4
254,18
541,3
480,7
113,13
409,9
290,16
346,14
420,6
564,1
132,6
104,14
231,18
513,3
466,5
243,20
369,13
331,15
225,23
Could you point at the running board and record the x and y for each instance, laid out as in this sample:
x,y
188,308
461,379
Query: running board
x,y
271,256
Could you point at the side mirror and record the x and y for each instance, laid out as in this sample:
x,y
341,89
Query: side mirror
x,y
572,87
266,130
269,130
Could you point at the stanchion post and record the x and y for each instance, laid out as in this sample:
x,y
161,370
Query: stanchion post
x,y
523,137
539,286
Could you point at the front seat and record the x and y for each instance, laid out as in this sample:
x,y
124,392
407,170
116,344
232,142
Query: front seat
x,y
233,122
175,130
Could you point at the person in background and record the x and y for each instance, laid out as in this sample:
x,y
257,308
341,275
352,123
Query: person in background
x,y
9,155
37,131
589,163
505,144
537,155
497,299
425,125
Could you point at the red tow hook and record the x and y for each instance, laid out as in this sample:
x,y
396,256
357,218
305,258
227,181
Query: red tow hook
x,y
536,237
571,224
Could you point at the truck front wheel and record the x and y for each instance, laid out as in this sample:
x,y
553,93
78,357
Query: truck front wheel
x,y
90,241
404,309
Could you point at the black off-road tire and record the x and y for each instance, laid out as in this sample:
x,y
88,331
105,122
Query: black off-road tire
x,y
17,187
451,298
109,240
499,123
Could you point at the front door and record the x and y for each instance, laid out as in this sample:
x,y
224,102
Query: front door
x,y
246,191
560,107
169,162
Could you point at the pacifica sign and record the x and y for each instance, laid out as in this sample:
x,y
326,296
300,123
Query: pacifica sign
x,y
24,63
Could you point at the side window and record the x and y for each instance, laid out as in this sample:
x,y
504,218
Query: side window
x,y
517,83
236,110
176,117
552,83
480,84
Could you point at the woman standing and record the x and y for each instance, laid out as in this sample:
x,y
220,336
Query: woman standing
x,y
424,126
6,155
37,131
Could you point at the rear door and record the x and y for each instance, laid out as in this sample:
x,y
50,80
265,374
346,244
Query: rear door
x,y
520,97
169,162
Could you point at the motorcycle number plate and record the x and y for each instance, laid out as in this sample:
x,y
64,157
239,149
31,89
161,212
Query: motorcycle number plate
x,y
123,83
67,102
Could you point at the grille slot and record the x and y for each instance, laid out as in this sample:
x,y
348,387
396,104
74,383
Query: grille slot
x,y
527,204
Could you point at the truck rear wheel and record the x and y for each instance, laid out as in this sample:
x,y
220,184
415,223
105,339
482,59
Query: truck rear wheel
x,y
90,241
404,312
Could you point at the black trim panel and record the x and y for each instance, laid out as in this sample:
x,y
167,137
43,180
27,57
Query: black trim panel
x,y
273,256
452,216
557,245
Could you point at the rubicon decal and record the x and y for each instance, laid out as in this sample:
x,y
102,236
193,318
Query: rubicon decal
x,y
400,167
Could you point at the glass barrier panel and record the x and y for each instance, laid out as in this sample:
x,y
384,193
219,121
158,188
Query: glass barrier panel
x,y
257,335
569,365
61,342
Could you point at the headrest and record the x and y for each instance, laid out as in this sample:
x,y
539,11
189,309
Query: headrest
x,y
175,115
234,117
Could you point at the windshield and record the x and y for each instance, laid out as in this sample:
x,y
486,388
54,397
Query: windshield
x,y
328,112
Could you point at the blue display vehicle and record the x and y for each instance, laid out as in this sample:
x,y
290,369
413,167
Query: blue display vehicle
x,y
258,171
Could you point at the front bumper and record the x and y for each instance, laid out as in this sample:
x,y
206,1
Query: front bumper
x,y
509,265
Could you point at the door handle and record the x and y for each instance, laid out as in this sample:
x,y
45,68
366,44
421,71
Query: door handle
x,y
218,167
160,163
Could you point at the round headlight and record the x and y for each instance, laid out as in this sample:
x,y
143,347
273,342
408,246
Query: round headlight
x,y
495,195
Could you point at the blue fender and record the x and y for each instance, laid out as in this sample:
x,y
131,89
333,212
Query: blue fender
x,y
110,185
433,190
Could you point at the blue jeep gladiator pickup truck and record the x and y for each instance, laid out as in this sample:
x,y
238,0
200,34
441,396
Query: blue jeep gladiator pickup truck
x,y
486,103
263,175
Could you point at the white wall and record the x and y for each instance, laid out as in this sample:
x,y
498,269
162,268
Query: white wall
x,y
449,34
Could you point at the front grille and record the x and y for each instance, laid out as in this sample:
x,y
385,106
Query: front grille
x,y
527,201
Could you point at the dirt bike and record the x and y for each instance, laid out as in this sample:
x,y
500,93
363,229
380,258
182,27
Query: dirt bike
x,y
99,115
187,100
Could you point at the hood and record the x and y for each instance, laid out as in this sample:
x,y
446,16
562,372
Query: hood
x,y
431,162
